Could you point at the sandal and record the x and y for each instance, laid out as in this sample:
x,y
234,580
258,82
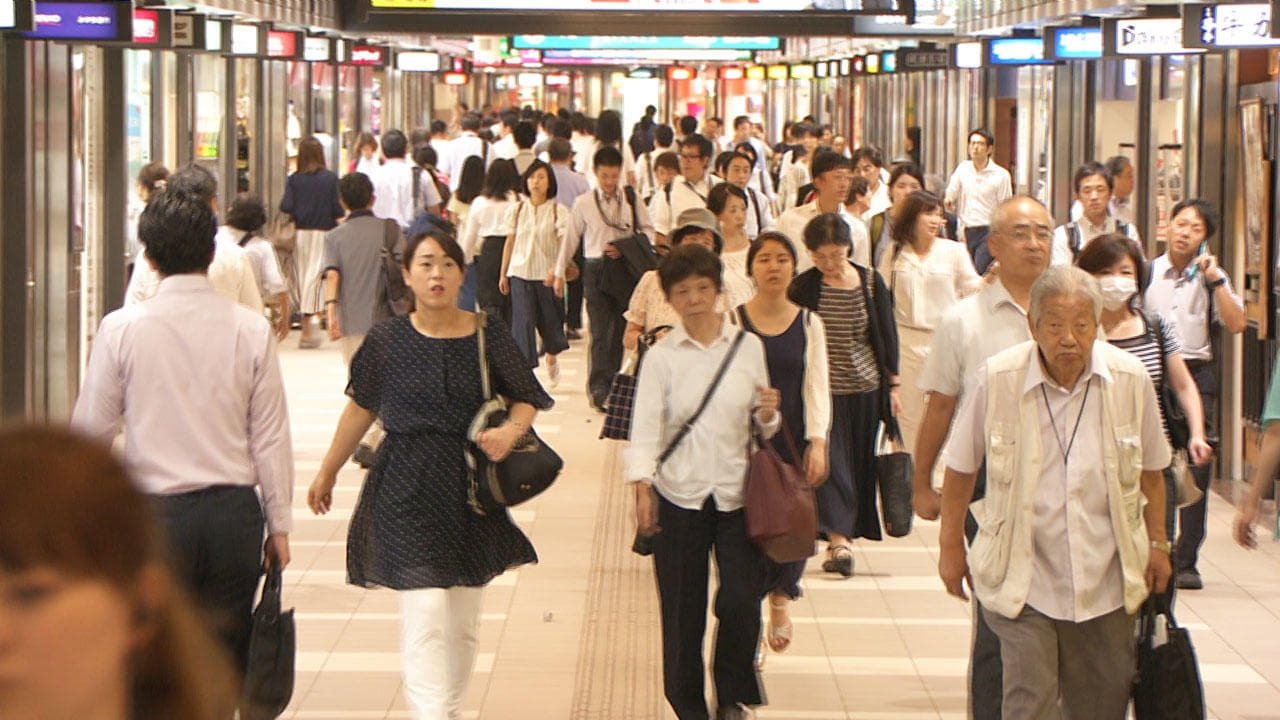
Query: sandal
x,y
779,636
839,560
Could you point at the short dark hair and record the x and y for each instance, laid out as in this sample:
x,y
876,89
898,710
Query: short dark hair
x,y
916,204
534,167
470,121
438,126
804,129
687,261
688,125
824,161
450,246
719,196
1088,170
771,236
525,134
908,169
858,187
827,229
607,156
1106,250
749,150
196,180
870,153
509,118
178,228
394,144
1202,207
561,128
246,213
425,155
559,150
663,135
1117,163
699,142
501,179
668,160
985,134
741,120
356,190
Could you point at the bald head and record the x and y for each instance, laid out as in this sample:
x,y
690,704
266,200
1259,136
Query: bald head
x,y
1021,238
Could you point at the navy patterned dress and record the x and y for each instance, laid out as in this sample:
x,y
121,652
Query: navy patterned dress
x,y
412,527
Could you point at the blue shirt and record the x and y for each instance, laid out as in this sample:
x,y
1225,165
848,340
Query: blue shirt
x,y
569,185
311,199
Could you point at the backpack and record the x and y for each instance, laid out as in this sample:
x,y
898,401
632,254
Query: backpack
x,y
1075,240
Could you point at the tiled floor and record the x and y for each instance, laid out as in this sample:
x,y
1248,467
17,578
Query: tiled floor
x,y
888,644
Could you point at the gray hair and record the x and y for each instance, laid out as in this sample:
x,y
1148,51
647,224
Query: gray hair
x,y
1064,280
1000,217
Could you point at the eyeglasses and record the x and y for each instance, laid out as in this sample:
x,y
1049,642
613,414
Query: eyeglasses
x,y
1023,233
690,157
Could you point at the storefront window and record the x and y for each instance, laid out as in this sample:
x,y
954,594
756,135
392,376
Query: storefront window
x,y
296,115
1034,168
246,86
137,68
1167,114
210,86
371,100
323,111
348,125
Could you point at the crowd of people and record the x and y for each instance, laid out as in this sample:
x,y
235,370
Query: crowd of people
x,y
1022,362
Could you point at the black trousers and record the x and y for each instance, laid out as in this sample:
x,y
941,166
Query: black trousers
x,y
607,327
975,238
680,553
488,268
215,538
573,296
986,669
1191,519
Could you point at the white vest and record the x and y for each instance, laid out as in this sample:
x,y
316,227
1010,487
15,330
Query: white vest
x,y
1002,557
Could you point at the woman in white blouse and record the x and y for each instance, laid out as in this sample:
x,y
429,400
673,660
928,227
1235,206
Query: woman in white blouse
x,y
689,483
534,229
244,221
729,204
485,236
795,348
927,275
649,308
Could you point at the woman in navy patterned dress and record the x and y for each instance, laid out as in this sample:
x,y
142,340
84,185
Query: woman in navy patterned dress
x,y
413,530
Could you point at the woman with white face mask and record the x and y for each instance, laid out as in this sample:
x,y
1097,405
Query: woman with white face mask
x,y
1117,261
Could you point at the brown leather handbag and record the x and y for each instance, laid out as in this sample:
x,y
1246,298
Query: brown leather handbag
x,y
782,516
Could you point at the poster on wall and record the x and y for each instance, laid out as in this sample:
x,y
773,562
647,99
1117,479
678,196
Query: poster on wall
x,y
1254,171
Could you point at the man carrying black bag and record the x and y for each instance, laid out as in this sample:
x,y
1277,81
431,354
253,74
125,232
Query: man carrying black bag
x,y
607,222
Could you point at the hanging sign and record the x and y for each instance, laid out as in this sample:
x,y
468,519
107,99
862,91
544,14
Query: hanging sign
x,y
1016,51
369,55
188,30
1073,43
916,59
283,44
83,21
967,55
418,61
1145,36
246,39
1227,26
317,49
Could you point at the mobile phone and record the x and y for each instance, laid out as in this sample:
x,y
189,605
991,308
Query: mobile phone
x,y
1204,248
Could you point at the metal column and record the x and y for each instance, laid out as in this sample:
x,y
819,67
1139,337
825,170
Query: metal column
x,y
16,282
115,181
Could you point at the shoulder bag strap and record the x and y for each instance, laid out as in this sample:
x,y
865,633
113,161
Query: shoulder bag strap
x,y
1159,333
417,188
481,321
630,193
706,399
595,194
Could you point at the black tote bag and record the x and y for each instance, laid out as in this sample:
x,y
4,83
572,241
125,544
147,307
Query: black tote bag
x,y
893,476
1168,684
268,680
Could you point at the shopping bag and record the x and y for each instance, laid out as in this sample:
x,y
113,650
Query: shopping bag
x,y
1168,684
268,680
893,476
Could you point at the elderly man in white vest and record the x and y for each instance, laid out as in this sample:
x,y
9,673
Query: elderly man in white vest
x,y
1072,535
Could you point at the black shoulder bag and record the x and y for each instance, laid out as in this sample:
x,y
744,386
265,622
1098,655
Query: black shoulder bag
x,y
1175,418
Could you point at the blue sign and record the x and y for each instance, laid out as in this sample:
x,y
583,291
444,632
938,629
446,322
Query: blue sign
x,y
83,21
1016,51
1076,43
642,42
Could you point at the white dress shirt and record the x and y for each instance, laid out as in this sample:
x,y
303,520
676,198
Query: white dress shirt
x,y
1060,253
539,231
230,274
757,200
203,402
1182,299
461,148
878,202
486,218
973,330
712,458
684,195
504,148
976,193
1076,574
792,223
924,288
393,191
593,230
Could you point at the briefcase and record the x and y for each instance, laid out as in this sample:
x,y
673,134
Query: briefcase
x,y
1168,684
268,680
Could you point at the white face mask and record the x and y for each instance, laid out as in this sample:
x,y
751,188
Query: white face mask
x,y
1116,291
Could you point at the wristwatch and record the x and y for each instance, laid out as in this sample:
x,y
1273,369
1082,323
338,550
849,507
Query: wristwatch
x,y
1162,545
1215,284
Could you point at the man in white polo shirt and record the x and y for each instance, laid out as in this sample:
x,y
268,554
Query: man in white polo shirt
x,y
688,190
976,187
1093,186
831,179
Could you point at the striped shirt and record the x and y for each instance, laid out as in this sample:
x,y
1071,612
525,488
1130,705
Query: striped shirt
x,y
1147,349
850,357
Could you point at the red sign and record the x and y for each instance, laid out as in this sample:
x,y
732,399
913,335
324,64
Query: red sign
x,y
146,27
282,44
368,55
456,78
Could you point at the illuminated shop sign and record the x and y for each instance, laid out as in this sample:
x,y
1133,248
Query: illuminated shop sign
x,y
872,64
214,32
83,21
1145,36
756,72
889,61
778,72
374,55
923,60
1016,51
418,61
245,40
846,66
282,43
317,49
146,26
623,57
8,14
1227,26
640,42
456,78
188,30
732,72
859,63
802,72
1074,43
820,69
967,54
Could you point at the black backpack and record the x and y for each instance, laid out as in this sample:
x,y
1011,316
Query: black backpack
x,y
1075,239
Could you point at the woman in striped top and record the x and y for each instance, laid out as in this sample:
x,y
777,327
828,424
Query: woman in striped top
x,y
862,352
1117,261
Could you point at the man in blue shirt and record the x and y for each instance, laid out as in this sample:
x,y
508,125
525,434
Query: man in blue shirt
x,y
569,185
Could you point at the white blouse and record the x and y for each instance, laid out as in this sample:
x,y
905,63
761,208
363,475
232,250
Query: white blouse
x,y
486,218
924,288
649,307
738,285
538,231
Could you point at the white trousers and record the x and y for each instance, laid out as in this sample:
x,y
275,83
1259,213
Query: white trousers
x,y
439,632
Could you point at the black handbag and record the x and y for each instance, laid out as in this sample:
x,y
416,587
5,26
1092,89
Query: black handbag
x,y
620,403
527,471
1168,684
893,476
269,677
1175,418
399,298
